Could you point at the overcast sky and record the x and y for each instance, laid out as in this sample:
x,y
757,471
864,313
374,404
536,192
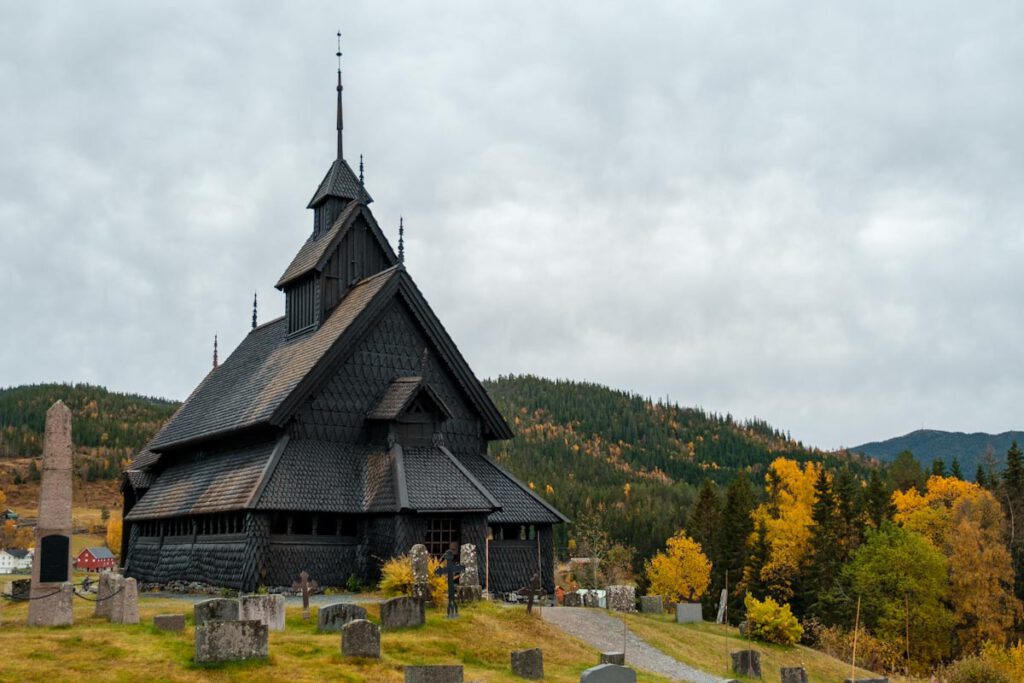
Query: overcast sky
x,y
809,212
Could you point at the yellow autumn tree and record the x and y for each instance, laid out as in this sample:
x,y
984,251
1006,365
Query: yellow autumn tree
x,y
681,573
114,534
786,515
967,524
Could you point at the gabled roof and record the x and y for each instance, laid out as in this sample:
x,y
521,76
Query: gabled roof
x,y
400,394
227,481
252,384
340,182
16,553
100,553
317,246
519,505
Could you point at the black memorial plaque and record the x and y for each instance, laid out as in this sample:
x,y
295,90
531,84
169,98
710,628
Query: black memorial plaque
x,y
53,561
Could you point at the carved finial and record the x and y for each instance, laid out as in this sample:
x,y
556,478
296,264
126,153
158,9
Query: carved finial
x,y
254,310
215,352
340,118
360,169
401,240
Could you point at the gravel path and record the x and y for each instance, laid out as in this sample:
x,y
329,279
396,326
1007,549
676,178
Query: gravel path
x,y
606,633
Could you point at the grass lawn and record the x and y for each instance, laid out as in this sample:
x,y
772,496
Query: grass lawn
x,y
707,646
481,639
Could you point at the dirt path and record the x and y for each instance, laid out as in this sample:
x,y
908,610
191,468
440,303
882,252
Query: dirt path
x,y
609,634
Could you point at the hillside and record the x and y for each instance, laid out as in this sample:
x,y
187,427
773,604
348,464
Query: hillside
x,y
931,444
635,461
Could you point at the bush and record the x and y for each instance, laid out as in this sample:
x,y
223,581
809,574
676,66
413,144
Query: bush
x,y
872,654
396,579
975,669
771,622
353,584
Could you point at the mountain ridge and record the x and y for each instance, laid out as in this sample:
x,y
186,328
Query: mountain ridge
x,y
969,448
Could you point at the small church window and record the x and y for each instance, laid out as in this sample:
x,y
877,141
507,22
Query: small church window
x,y
441,531
300,305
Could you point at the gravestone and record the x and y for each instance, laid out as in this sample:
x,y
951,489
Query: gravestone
x,y
469,584
231,641
331,618
591,599
746,663
528,664
51,564
689,613
573,599
793,674
621,598
652,604
169,622
304,585
110,583
743,628
434,673
723,602
124,607
420,559
608,673
613,658
360,638
21,589
402,613
215,609
266,609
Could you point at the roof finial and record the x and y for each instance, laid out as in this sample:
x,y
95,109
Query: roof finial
x,y
254,310
215,352
401,240
340,124
360,169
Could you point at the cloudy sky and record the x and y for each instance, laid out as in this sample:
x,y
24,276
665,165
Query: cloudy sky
x,y
809,212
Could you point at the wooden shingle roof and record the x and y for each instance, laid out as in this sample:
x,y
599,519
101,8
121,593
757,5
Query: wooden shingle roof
x,y
340,182
399,394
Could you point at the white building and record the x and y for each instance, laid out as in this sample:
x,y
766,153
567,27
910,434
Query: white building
x,y
15,561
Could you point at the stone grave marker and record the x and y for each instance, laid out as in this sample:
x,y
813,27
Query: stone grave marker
x,y
331,618
528,664
793,674
613,658
51,564
20,589
231,641
572,599
360,638
621,598
746,663
652,604
402,612
469,583
420,559
124,607
110,583
266,609
723,602
608,673
434,673
169,622
215,609
304,585
689,613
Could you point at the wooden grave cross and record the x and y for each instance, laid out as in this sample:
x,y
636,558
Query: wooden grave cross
x,y
534,590
304,585
451,569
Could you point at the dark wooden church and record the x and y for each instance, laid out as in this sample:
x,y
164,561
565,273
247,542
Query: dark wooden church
x,y
334,437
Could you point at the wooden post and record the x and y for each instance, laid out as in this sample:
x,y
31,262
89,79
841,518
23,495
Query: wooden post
x,y
487,565
853,659
906,597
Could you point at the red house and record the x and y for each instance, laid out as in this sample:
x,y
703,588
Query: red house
x,y
95,559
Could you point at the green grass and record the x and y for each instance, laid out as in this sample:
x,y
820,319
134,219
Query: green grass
x,y
93,649
707,647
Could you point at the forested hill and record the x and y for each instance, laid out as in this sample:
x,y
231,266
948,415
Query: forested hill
x,y
928,445
635,461
108,425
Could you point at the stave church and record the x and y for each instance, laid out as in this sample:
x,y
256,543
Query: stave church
x,y
334,437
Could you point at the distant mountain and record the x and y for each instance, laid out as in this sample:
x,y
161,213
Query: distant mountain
x,y
928,445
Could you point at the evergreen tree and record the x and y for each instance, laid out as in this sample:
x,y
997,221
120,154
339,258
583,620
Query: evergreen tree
x,y
734,533
938,467
877,501
954,469
759,554
905,472
1013,483
703,522
824,565
980,477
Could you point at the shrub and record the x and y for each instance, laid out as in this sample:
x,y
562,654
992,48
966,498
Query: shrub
x,y
354,584
975,669
396,579
872,654
769,621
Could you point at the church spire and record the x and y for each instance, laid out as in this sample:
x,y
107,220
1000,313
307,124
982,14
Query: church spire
x,y
341,124
254,310
401,239
215,352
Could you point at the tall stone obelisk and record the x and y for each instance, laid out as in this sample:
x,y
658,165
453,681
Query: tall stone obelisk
x,y
51,592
